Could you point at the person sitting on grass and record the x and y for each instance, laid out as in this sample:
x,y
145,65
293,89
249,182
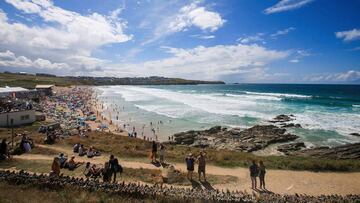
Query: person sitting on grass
x,y
62,160
254,171
55,167
86,171
72,164
4,152
92,152
262,171
82,150
76,148
190,165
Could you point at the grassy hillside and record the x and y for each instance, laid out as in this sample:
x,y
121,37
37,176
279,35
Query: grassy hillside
x,y
29,81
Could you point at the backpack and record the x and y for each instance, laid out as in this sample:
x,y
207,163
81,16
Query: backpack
x,y
120,169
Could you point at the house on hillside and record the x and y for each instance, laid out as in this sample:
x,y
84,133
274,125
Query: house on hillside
x,y
46,90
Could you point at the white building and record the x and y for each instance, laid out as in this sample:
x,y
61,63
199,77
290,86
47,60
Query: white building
x,y
17,118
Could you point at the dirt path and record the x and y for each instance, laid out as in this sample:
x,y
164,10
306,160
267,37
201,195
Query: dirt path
x,y
278,181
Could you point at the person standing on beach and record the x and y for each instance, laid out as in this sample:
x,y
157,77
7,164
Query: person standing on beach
x,y
190,165
154,152
262,171
254,171
202,164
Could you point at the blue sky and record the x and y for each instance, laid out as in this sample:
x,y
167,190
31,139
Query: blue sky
x,y
275,41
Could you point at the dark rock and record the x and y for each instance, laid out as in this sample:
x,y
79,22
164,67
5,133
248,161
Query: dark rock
x,y
349,151
214,130
282,118
290,125
291,147
355,134
248,140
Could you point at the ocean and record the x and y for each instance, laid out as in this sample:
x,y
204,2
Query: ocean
x,y
327,113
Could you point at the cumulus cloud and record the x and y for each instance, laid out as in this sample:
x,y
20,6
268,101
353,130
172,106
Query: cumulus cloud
x,y
282,32
63,34
350,76
188,16
286,5
9,59
258,37
203,62
348,35
198,16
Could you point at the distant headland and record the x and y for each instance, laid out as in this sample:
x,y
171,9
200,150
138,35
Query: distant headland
x,y
27,80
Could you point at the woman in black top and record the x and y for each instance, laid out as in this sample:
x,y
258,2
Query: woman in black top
x,y
262,171
114,166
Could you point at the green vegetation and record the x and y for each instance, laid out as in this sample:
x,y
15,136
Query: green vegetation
x,y
126,147
34,194
129,174
29,81
139,150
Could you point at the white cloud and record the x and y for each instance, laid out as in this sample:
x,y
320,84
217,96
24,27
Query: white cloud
x,y
9,60
202,62
252,38
348,35
63,35
286,5
204,36
294,61
345,77
282,32
194,15
178,20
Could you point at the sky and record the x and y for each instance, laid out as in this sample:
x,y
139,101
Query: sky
x,y
245,41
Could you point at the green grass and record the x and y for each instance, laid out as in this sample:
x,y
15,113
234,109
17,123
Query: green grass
x,y
126,147
136,149
129,174
33,194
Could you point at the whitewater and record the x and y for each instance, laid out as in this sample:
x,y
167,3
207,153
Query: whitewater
x,y
328,114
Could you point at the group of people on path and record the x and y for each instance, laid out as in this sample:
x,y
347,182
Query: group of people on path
x,y
190,165
108,171
257,171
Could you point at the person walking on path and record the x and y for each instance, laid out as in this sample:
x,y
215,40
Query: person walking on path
x,y
262,171
153,152
115,167
254,170
190,165
202,164
162,153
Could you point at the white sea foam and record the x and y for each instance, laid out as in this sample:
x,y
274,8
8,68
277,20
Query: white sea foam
x,y
219,108
211,103
279,95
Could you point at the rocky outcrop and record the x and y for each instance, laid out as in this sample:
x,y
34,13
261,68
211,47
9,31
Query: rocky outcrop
x,y
248,140
290,125
355,134
349,151
287,149
282,118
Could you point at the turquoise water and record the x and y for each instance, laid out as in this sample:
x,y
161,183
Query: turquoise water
x,y
328,113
